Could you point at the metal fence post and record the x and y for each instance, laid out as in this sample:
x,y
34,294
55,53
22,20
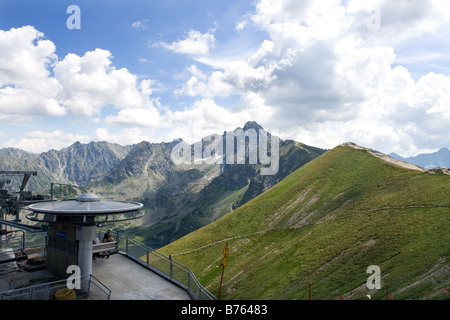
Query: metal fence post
x,y
23,241
171,265
189,279
31,295
89,285
47,292
46,245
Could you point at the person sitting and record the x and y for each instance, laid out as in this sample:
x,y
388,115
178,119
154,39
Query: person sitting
x,y
108,237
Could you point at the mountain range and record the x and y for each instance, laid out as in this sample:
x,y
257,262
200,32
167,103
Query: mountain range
x,y
184,197
178,198
438,159
76,164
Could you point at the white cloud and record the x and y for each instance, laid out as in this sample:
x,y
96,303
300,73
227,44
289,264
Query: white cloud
x,y
140,24
241,25
238,77
39,141
25,54
195,71
400,20
125,136
91,82
136,117
196,43
33,82
321,76
26,86
326,78
204,118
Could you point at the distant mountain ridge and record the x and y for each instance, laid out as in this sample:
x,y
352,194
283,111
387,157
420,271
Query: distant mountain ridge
x,y
178,198
76,164
17,153
438,159
80,163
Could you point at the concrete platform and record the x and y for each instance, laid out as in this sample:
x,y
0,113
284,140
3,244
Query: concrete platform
x,y
129,280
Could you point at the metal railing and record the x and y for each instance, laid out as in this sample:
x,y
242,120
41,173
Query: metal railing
x,y
92,289
163,265
25,240
21,242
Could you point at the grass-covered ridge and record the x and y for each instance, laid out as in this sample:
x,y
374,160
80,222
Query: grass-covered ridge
x,y
324,225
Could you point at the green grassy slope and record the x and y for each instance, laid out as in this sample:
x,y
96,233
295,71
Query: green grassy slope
x,y
324,225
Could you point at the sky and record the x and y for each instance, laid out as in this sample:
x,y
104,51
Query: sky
x,y
376,73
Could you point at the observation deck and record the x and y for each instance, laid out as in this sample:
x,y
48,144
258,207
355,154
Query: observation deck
x,y
135,272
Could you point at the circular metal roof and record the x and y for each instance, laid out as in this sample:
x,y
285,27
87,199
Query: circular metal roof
x,y
85,208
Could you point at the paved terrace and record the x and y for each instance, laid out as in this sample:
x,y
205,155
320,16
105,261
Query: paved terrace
x,y
127,279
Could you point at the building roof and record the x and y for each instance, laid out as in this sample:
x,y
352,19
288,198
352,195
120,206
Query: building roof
x,y
84,208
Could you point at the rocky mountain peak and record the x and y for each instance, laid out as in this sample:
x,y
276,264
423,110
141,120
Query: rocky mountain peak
x,y
252,125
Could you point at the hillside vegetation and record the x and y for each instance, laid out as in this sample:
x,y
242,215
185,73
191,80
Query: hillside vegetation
x,y
323,225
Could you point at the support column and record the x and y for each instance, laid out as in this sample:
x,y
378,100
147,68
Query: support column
x,y
1,225
85,236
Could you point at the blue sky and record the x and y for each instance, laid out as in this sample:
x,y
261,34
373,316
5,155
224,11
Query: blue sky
x,y
319,72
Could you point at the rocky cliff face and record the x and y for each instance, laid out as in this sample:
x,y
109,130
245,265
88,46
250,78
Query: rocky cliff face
x,y
81,163
140,172
17,153
76,164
